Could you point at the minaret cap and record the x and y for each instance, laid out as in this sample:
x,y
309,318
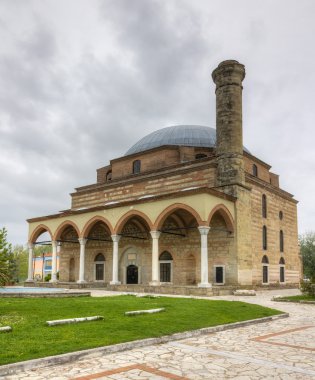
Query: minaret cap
x,y
229,72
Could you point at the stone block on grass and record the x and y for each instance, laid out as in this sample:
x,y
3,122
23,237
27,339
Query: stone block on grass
x,y
5,329
139,312
73,320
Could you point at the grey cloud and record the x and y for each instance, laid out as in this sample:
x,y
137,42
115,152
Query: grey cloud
x,y
64,113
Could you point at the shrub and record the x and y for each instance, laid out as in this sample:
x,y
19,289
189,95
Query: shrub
x,y
307,288
48,277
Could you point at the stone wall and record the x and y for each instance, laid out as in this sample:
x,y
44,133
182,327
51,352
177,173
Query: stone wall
x,y
288,224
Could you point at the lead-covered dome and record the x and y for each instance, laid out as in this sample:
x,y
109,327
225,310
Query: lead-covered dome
x,y
186,135
183,135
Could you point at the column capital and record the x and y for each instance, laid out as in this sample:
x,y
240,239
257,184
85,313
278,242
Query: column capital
x,y
30,245
204,230
155,234
54,243
116,238
82,241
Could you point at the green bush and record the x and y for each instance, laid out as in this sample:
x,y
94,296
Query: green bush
x,y
307,288
48,277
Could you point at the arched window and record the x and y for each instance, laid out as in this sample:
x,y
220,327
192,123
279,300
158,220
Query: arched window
x,y
255,170
282,270
281,241
166,263
265,270
99,267
165,256
200,155
136,167
264,238
99,257
109,176
264,206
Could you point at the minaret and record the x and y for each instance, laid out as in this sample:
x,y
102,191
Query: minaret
x,y
228,77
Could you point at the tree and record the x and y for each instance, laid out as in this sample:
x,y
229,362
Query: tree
x,y
20,254
307,244
7,265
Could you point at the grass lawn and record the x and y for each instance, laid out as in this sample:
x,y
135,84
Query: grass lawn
x,y
31,338
297,298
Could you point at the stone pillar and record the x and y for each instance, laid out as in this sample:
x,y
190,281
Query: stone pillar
x,y
204,281
228,77
54,245
82,242
115,239
155,258
30,262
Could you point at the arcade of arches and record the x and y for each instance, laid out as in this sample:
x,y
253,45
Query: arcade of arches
x,y
177,248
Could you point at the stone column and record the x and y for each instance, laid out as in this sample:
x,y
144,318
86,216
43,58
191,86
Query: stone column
x,y
115,239
228,77
54,245
82,242
155,258
30,262
204,283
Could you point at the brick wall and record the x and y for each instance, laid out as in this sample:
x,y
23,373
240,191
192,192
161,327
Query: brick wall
x,y
169,182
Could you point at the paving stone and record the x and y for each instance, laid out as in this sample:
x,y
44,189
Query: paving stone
x,y
243,353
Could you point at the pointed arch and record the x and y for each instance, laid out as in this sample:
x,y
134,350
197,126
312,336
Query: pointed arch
x,y
171,209
90,224
40,229
265,260
62,227
226,215
124,219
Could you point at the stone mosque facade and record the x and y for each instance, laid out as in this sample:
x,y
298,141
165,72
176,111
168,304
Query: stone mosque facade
x,y
187,207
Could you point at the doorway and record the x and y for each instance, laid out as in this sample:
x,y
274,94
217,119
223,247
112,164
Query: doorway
x,y
132,274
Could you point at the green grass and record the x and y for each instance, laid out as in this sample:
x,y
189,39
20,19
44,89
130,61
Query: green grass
x,y
297,298
31,338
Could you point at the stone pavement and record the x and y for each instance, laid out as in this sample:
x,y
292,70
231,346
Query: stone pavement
x,y
282,349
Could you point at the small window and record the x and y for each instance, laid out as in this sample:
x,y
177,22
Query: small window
x,y
281,241
264,238
200,155
264,205
282,270
109,176
255,170
165,267
99,267
280,215
48,264
136,167
265,274
219,275
265,270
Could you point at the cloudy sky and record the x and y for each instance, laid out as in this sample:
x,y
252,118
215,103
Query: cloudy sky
x,y
82,80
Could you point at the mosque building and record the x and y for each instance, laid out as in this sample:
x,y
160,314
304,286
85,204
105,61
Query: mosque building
x,y
186,209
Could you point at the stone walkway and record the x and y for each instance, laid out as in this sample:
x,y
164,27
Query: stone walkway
x,y
282,349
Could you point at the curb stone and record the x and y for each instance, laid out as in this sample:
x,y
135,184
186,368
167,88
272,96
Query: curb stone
x,y
293,301
10,369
